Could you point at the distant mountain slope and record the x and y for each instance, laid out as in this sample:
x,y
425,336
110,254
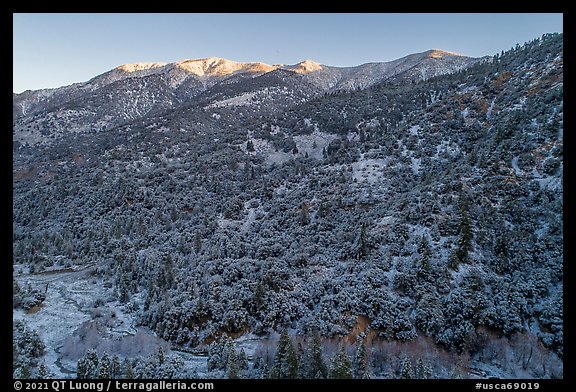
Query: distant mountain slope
x,y
134,91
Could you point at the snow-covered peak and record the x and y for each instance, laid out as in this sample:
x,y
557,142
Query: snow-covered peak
x,y
215,66
305,67
139,67
438,54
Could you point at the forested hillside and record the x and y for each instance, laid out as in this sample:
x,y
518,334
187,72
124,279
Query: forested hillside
x,y
414,216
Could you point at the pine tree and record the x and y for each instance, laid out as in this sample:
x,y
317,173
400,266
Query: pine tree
x,y
427,371
104,367
197,242
115,368
419,372
18,374
465,240
285,361
214,356
242,360
423,370
43,372
128,370
91,364
249,146
16,290
361,243
341,367
160,355
265,372
304,219
502,253
316,368
82,368
259,296
169,271
26,372
360,365
123,288
425,253
232,367
405,369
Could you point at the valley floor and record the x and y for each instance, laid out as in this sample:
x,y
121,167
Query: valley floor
x,y
80,312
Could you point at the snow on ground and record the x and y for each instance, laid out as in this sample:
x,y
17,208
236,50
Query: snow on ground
x,y
415,166
448,148
278,157
517,170
313,144
239,100
62,312
550,182
71,301
482,370
265,148
490,108
250,217
414,130
193,363
369,170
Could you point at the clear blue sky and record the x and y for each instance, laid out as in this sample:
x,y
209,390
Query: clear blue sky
x,y
52,50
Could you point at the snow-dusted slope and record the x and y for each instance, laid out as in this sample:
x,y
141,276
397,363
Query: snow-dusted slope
x,y
212,70
209,70
132,91
206,72
418,66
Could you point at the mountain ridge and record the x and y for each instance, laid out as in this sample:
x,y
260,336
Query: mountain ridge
x,y
134,90
210,62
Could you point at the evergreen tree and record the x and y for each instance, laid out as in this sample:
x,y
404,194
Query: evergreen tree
x,y
169,271
82,368
26,374
160,355
259,295
423,370
502,253
249,146
197,242
405,368
425,253
16,290
361,243
419,372
304,219
265,372
360,365
242,360
91,364
232,368
315,365
43,372
465,240
427,371
341,367
285,361
18,374
115,368
128,369
123,289
104,367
